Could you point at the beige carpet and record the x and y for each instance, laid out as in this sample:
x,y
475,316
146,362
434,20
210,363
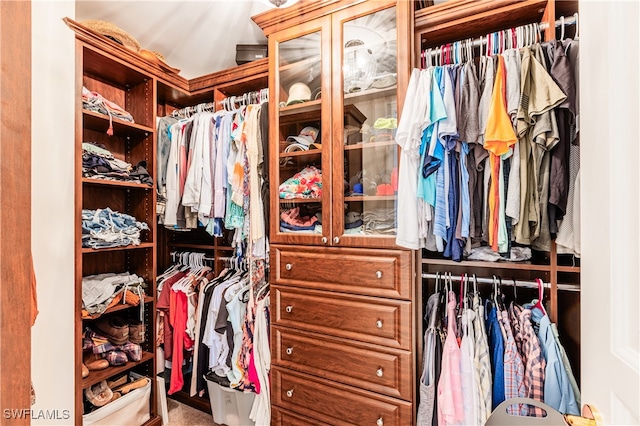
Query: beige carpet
x,y
183,415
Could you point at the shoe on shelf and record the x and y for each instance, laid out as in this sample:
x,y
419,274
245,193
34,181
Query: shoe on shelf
x,y
85,371
113,328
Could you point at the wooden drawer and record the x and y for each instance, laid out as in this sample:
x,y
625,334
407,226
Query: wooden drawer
x,y
384,273
371,367
284,418
367,319
335,403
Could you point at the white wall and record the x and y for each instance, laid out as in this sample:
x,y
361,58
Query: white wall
x,y
52,201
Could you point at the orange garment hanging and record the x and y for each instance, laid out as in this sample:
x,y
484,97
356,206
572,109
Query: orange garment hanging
x,y
499,138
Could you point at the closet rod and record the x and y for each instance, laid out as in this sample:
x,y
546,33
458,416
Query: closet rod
x,y
481,41
177,253
527,284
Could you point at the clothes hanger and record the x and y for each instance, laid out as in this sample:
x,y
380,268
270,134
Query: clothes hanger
x,y
562,28
495,293
515,291
539,304
575,37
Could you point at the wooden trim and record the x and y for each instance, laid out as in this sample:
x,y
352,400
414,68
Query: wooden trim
x,y
226,77
463,19
15,208
549,18
278,19
132,58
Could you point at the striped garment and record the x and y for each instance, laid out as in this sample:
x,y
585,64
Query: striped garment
x,y
513,370
481,362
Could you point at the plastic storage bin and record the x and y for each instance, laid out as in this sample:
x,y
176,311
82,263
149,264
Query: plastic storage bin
x,y
229,406
129,409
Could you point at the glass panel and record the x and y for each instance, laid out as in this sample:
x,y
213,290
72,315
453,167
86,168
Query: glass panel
x,y
300,147
370,121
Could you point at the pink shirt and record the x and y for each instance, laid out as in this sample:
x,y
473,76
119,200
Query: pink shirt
x,y
450,411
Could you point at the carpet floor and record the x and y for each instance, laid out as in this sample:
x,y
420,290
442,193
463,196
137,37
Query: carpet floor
x,y
183,415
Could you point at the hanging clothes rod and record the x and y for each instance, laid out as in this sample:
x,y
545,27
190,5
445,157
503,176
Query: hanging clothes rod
x,y
509,281
178,253
482,41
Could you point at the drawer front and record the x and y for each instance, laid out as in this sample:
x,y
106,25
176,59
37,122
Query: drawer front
x,y
362,318
383,273
335,403
284,418
371,367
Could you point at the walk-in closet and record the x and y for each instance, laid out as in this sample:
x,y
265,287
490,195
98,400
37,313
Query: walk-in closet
x,y
374,212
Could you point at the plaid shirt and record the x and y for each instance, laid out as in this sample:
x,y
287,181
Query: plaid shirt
x,y
482,362
513,371
534,362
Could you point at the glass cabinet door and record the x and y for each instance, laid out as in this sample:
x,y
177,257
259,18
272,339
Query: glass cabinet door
x,y
301,129
366,155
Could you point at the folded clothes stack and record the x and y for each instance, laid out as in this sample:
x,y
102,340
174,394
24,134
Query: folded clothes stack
x,y
379,221
292,221
94,101
104,228
99,291
99,163
307,183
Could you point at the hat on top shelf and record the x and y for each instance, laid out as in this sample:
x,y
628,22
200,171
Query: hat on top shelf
x,y
113,32
304,141
298,93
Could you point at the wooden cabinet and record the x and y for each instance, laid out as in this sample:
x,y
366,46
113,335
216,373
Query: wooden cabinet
x,y
343,294
336,81
133,142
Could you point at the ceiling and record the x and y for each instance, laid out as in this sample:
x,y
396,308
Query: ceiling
x,y
196,36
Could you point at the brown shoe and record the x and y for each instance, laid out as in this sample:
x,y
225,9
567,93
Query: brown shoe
x,y
113,328
85,371
136,332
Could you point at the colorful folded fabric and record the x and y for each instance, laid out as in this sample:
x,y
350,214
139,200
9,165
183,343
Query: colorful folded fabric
x,y
305,184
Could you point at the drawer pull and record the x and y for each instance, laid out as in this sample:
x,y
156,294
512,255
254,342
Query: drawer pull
x,y
288,266
379,372
290,393
378,274
289,351
380,422
289,309
378,323
336,240
324,240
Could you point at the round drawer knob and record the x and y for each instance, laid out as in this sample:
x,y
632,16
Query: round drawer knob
x,y
288,266
380,422
324,240
336,240
379,372
289,351
289,308
379,323
378,274
290,393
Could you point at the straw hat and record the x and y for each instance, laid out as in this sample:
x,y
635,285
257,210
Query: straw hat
x,y
113,32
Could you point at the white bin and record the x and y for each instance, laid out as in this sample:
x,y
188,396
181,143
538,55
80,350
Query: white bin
x,y
129,409
229,406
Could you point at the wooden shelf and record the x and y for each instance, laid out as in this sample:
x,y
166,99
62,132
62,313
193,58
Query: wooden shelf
x,y
97,376
130,247
366,95
301,108
371,198
527,266
119,307
574,269
368,145
100,123
116,183
309,153
193,246
300,200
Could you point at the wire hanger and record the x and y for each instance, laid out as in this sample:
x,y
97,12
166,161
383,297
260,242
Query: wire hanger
x,y
575,15
562,28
